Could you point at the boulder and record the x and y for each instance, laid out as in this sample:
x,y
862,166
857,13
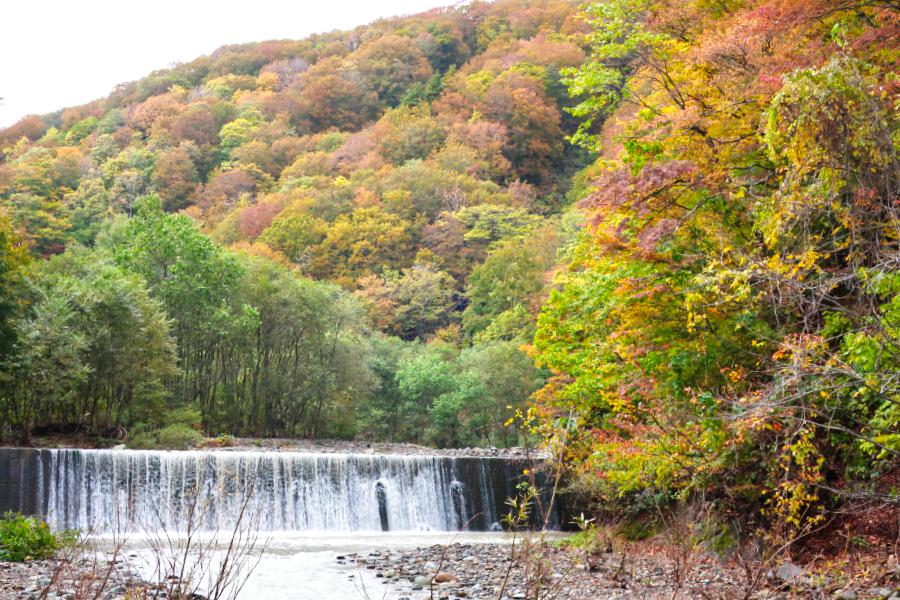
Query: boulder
x,y
445,578
788,572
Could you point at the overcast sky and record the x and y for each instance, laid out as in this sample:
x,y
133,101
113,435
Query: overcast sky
x,y
58,53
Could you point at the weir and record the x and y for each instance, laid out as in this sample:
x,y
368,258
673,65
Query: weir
x,y
104,491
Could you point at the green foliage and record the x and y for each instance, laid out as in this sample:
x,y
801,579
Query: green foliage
x,y
177,437
511,277
13,259
27,538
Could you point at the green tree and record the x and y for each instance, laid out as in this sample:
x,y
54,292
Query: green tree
x,y
195,280
127,351
13,261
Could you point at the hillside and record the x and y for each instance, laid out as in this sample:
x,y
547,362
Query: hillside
x,y
418,163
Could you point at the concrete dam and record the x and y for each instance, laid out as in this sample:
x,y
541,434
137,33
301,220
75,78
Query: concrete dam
x,y
103,491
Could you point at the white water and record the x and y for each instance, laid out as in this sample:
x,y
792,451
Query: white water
x,y
106,491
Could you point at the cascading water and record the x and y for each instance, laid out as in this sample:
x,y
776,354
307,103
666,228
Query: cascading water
x,y
104,490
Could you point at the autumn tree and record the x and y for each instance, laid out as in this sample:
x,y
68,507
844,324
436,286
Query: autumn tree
x,y
411,304
391,64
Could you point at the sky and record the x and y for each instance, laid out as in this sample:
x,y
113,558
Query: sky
x,y
59,53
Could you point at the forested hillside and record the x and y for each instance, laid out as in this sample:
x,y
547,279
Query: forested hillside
x,y
345,235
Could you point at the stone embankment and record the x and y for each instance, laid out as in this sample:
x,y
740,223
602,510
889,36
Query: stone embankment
x,y
362,447
302,445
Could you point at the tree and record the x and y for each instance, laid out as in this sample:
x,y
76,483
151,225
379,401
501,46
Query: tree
x,y
391,64
31,128
367,241
87,208
713,327
306,359
45,221
294,233
195,280
13,260
406,134
44,374
411,304
127,351
197,124
422,379
533,121
511,276
175,178
504,378
331,98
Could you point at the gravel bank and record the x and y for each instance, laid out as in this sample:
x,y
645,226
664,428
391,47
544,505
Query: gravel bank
x,y
480,571
61,579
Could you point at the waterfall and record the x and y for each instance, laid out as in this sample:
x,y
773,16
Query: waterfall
x,y
132,490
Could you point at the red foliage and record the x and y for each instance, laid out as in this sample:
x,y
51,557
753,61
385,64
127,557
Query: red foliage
x,y
255,218
31,127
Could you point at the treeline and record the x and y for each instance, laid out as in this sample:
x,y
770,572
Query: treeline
x,y
158,331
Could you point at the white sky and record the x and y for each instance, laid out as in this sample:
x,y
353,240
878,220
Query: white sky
x,y
58,53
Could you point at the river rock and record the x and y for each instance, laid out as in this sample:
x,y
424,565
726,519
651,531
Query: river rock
x,y
445,578
788,572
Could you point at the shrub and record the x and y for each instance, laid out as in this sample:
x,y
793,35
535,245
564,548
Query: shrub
x,y
178,437
180,434
223,440
26,538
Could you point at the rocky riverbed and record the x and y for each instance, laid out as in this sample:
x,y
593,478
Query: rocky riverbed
x,y
65,579
481,571
489,571
468,571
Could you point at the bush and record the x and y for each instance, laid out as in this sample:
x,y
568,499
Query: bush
x,y
178,437
181,432
143,440
223,440
26,538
